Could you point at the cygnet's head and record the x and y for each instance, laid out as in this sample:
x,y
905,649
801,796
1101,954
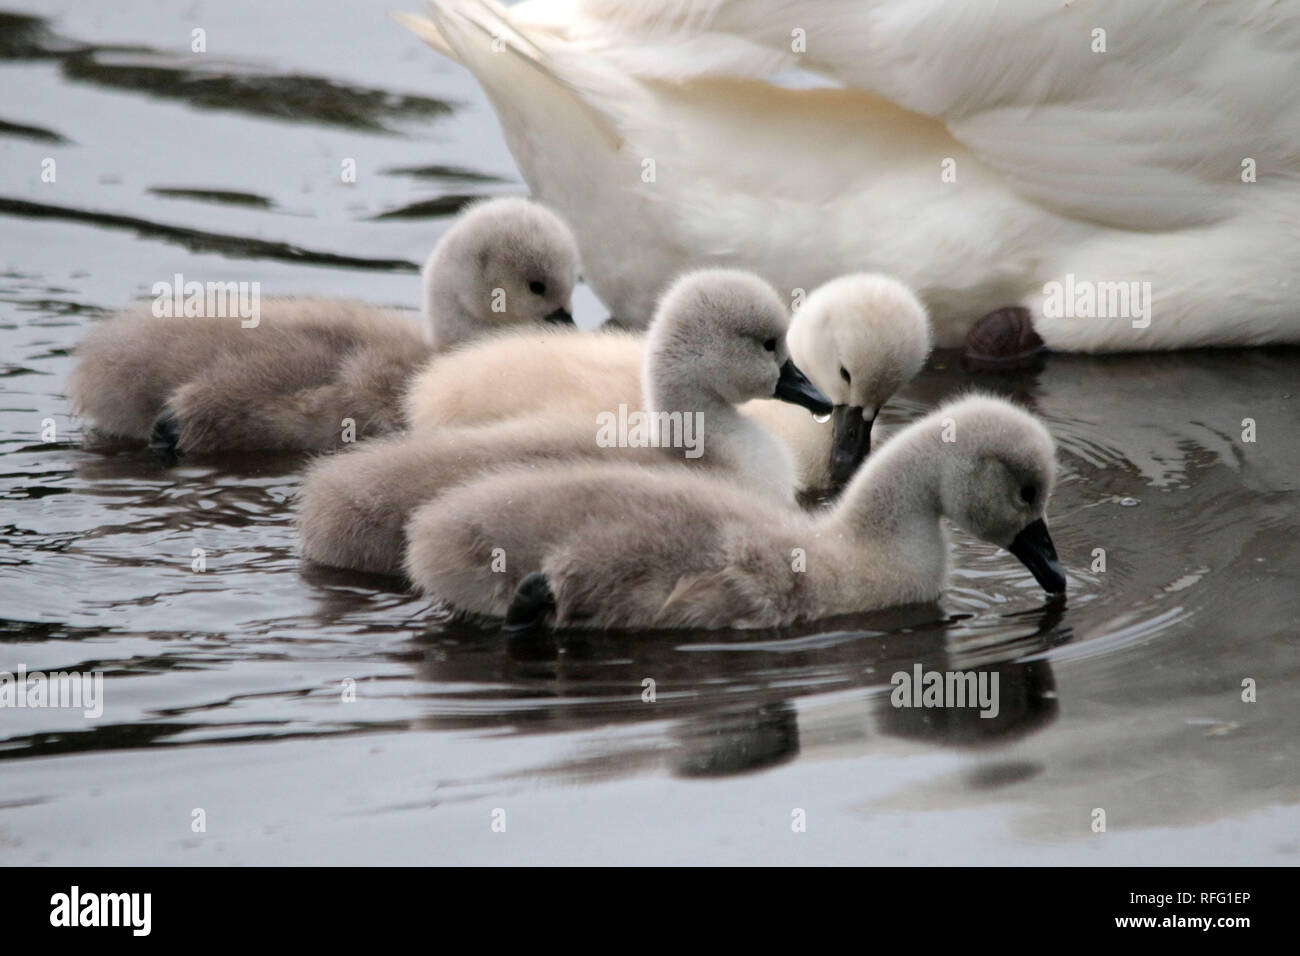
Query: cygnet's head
x,y
997,470
860,338
722,332
503,262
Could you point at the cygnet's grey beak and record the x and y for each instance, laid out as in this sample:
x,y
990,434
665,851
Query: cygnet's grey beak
x,y
793,386
560,317
1034,547
850,441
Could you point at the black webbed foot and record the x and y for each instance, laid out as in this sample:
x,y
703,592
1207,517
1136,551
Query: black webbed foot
x,y
164,439
533,600
1003,340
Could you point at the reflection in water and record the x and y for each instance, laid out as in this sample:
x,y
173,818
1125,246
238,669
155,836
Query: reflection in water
x,y
208,82
729,699
198,240
227,196
442,206
1024,696
1180,538
37,133
736,741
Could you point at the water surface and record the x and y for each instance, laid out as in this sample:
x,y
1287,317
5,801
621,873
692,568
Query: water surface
x,y
223,686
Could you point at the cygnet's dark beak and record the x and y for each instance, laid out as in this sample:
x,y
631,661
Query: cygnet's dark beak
x,y
560,317
1034,547
850,441
793,386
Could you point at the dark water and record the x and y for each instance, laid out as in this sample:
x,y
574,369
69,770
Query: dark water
x,y
223,686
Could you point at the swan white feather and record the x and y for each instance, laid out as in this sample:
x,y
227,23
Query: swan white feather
x,y
1123,165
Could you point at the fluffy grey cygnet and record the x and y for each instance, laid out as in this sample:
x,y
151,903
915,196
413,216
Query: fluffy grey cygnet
x,y
206,384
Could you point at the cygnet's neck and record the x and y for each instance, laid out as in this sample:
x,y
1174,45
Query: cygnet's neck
x,y
451,321
666,393
895,496
728,439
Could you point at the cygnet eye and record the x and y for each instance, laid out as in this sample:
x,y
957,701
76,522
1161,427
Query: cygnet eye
x,y
844,374
770,345
537,288
1028,493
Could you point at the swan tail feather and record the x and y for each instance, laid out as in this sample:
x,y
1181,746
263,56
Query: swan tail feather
x,y
477,32
426,30
488,19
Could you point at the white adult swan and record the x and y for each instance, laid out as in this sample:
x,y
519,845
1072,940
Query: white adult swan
x,y
999,158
